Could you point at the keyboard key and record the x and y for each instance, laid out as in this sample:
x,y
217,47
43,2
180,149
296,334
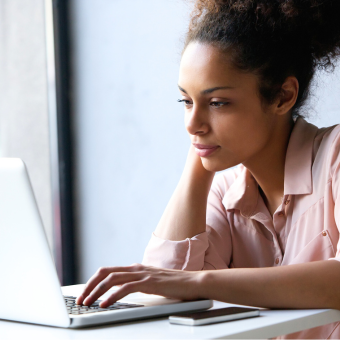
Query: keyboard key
x,y
74,309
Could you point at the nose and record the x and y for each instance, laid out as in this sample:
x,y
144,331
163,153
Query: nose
x,y
195,122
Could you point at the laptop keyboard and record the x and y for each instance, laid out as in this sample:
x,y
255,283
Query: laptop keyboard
x,y
75,309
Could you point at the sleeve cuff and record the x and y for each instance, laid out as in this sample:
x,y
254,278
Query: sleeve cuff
x,y
183,255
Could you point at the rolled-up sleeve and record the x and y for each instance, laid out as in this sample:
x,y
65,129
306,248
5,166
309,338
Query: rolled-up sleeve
x,y
184,255
208,250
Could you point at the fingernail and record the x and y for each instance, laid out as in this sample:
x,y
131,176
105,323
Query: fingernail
x,y
86,301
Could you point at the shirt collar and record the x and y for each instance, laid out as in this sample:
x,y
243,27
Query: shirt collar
x,y
299,159
243,194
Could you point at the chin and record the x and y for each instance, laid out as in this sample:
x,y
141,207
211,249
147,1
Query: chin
x,y
216,165
212,166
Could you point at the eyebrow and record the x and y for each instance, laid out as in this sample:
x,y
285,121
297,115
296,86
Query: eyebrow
x,y
207,91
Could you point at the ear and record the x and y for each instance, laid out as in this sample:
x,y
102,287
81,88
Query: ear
x,y
288,95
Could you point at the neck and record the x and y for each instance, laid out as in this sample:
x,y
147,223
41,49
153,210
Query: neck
x,y
268,165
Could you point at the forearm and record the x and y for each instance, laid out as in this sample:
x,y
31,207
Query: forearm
x,y
185,215
307,285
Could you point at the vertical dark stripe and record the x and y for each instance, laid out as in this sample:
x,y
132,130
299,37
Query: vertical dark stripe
x,y
64,129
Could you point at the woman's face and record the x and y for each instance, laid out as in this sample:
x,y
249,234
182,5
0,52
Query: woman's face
x,y
224,116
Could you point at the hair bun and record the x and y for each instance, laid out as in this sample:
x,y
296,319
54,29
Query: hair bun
x,y
318,21
312,25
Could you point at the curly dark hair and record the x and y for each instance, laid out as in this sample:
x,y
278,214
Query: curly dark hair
x,y
272,38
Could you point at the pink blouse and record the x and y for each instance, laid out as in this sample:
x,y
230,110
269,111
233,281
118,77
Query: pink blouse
x,y
240,231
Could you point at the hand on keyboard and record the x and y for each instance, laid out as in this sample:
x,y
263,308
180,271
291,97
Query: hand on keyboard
x,y
75,309
177,284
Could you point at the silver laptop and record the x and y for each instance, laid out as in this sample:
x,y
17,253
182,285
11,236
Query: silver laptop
x,y
29,284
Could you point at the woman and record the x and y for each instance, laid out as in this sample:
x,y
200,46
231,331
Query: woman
x,y
264,233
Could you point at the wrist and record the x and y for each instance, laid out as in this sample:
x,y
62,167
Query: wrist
x,y
204,279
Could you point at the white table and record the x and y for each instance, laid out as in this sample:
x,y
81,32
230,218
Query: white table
x,y
271,323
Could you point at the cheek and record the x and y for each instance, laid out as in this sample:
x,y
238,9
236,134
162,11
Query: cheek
x,y
240,139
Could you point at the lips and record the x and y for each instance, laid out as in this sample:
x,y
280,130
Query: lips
x,y
203,150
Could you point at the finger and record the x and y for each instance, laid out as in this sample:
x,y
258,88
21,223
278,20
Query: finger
x,y
100,274
111,280
126,289
92,282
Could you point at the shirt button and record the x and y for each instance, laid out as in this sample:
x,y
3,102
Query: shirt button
x,y
281,213
324,233
277,260
287,201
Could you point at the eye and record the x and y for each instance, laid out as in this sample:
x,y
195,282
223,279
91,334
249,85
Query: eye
x,y
185,101
219,104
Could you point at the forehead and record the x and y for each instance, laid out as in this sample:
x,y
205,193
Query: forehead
x,y
204,65
199,55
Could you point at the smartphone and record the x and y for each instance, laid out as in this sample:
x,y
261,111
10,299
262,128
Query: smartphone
x,y
214,316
